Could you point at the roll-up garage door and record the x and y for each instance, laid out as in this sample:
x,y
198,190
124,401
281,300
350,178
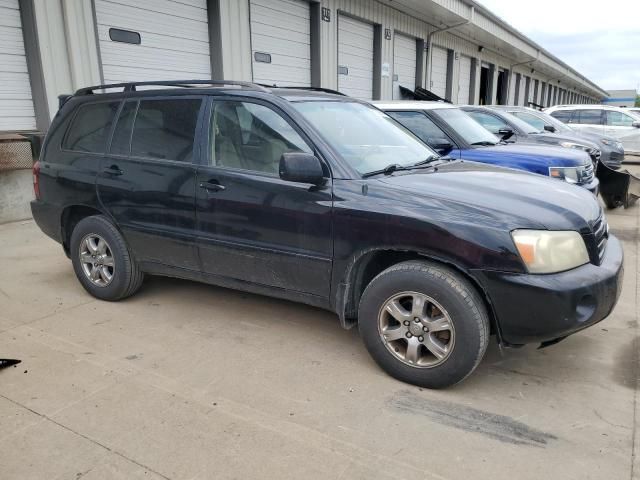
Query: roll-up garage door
x,y
153,40
404,63
281,42
355,58
439,71
513,78
16,103
464,80
523,88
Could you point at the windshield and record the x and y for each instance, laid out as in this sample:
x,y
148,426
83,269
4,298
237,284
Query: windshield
x,y
365,137
464,125
539,120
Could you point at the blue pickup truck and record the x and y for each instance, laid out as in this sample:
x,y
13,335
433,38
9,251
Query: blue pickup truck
x,y
452,132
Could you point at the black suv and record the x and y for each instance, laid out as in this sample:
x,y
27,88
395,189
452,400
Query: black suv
x,y
315,197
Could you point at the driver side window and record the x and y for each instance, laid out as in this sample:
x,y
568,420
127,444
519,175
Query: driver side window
x,y
250,136
491,123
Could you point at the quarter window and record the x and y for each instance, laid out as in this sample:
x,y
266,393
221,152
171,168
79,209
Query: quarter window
x,y
165,129
250,136
618,119
90,128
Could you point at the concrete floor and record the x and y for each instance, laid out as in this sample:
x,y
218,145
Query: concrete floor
x,y
191,381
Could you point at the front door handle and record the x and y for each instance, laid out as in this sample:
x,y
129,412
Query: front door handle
x,y
212,186
113,170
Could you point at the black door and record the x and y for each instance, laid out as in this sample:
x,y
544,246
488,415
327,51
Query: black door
x,y
147,179
252,225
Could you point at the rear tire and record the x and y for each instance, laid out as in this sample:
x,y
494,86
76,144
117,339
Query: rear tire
x,y
424,324
102,261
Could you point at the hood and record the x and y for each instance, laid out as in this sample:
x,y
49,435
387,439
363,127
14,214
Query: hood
x,y
597,139
514,199
534,158
557,138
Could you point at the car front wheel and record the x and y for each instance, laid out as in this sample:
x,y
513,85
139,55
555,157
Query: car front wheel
x,y
424,324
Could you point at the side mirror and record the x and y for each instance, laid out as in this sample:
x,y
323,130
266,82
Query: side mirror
x,y
301,168
636,124
506,133
440,145
549,128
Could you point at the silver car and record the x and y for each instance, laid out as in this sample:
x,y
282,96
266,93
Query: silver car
x,y
615,122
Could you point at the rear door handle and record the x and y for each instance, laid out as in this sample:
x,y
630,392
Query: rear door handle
x,y
113,170
212,186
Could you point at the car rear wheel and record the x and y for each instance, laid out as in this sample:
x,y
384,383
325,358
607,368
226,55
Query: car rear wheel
x,y
101,260
424,324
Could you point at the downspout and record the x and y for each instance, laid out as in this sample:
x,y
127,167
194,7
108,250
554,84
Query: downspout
x,y
430,43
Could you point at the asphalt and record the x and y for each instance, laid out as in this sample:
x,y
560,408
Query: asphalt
x,y
189,381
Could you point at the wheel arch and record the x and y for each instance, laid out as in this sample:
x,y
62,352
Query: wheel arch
x,y
367,264
69,218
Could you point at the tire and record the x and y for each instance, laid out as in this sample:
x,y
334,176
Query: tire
x,y
446,299
117,274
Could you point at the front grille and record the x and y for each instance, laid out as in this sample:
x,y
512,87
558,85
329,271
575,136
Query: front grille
x,y
600,231
586,174
595,154
616,157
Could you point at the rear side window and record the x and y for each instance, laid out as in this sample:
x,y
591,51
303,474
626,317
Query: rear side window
x,y
618,119
562,115
587,117
165,129
420,125
90,127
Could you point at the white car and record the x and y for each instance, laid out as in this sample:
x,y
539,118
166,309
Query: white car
x,y
620,123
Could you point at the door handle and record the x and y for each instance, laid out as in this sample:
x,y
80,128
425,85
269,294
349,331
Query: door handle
x,y
113,170
212,186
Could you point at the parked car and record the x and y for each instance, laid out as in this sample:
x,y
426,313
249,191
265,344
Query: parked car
x,y
616,122
512,129
453,132
322,199
612,151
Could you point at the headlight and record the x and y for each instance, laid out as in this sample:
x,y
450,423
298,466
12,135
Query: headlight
x,y
544,251
568,174
605,141
577,146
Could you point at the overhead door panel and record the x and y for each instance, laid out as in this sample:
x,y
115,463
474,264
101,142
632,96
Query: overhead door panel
x,y
512,89
355,58
464,82
173,40
281,42
404,63
16,103
439,71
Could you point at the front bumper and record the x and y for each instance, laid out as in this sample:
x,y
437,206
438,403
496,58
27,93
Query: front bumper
x,y
540,308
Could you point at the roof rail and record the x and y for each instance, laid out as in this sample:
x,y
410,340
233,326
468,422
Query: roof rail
x,y
313,89
131,86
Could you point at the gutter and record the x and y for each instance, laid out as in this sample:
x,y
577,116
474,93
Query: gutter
x,y
430,43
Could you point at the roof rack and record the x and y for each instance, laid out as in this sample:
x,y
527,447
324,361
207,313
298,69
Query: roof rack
x,y
313,89
131,86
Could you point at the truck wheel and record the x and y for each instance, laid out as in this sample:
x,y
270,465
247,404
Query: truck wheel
x,y
424,324
101,260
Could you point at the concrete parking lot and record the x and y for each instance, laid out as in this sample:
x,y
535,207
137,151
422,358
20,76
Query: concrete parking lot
x,y
190,381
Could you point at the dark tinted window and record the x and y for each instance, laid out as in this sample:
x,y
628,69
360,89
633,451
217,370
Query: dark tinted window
x,y
121,143
165,129
90,127
587,117
420,125
562,115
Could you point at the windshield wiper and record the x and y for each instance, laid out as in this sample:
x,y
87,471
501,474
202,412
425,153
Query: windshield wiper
x,y
395,167
485,143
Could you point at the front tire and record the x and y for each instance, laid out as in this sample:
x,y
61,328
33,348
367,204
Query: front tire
x,y
101,260
424,324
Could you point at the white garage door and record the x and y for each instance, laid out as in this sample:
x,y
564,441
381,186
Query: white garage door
x,y
464,82
355,58
173,40
281,42
16,104
439,71
513,78
523,88
404,63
